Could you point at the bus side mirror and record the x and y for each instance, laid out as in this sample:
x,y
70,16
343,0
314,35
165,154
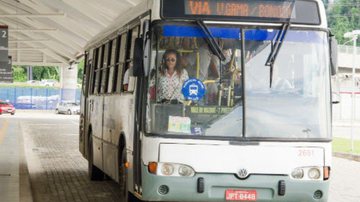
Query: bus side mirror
x,y
333,55
138,65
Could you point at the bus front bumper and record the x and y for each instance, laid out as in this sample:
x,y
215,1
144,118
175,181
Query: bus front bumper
x,y
215,186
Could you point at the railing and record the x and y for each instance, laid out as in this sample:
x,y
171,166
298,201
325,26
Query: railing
x,y
348,49
35,98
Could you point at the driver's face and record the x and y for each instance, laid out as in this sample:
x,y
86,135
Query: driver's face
x,y
171,61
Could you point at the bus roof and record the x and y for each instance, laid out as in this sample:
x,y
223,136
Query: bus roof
x,y
155,7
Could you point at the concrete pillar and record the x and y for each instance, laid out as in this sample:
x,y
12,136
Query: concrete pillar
x,y
68,81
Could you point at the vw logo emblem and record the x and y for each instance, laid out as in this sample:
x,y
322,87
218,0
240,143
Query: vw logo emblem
x,y
242,173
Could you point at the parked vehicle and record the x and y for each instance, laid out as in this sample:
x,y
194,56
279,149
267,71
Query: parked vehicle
x,y
32,82
48,82
6,107
67,108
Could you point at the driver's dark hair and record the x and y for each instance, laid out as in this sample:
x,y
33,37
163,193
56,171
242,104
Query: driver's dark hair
x,y
178,67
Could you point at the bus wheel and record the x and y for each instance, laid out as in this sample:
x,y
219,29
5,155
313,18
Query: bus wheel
x,y
94,172
123,175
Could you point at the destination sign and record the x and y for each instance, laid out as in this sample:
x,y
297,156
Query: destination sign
x,y
262,9
299,11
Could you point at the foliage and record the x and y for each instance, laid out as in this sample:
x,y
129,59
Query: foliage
x,y
343,145
19,74
344,16
80,71
44,72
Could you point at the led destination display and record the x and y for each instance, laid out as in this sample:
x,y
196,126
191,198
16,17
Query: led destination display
x,y
262,9
299,11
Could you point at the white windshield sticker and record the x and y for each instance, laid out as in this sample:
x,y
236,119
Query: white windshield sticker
x,y
179,124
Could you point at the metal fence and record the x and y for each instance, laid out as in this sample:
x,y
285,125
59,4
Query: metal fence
x,y
36,98
343,110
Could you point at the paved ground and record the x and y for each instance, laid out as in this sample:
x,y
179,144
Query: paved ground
x,y
345,181
58,172
9,169
14,181
57,169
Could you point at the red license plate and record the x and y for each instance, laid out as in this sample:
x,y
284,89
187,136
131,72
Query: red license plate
x,y
240,195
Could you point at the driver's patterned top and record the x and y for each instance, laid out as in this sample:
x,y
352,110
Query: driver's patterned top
x,y
170,86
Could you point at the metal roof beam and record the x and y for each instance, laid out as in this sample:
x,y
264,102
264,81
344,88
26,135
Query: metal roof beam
x,y
28,40
33,30
58,55
65,40
35,15
38,63
89,11
90,22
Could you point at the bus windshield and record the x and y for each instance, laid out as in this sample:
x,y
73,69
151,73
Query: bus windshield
x,y
195,92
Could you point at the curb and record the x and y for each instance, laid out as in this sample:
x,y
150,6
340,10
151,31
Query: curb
x,y
25,182
353,157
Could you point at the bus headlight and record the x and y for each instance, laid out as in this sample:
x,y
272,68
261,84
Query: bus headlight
x,y
185,171
307,173
167,169
170,169
297,173
314,173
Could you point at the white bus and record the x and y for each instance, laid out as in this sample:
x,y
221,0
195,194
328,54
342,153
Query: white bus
x,y
251,119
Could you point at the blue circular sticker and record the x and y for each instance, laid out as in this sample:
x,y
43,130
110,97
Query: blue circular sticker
x,y
193,89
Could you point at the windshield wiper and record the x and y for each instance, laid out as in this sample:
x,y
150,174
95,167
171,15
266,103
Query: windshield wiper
x,y
214,46
276,48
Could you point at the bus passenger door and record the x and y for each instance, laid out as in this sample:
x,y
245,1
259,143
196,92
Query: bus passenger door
x,y
96,119
96,105
139,113
83,127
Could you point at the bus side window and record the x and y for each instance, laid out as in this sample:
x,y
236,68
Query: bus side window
x,y
98,69
105,67
112,66
92,71
120,66
128,79
116,62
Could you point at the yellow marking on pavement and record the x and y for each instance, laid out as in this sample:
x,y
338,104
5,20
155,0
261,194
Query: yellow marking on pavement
x,y
3,130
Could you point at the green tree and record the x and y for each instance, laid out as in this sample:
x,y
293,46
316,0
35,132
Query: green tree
x,y
80,71
19,73
344,16
45,72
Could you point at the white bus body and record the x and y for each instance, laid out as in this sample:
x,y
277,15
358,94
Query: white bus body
x,y
122,131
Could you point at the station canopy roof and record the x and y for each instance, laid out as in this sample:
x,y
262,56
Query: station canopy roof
x,y
55,32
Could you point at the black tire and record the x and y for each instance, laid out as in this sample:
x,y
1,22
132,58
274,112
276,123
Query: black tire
x,y
13,113
125,195
95,173
56,111
69,112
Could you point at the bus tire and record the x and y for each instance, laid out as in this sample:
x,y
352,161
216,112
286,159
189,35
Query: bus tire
x,y
125,196
94,172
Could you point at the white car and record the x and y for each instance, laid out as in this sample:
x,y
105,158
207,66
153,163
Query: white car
x,y
67,108
48,82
